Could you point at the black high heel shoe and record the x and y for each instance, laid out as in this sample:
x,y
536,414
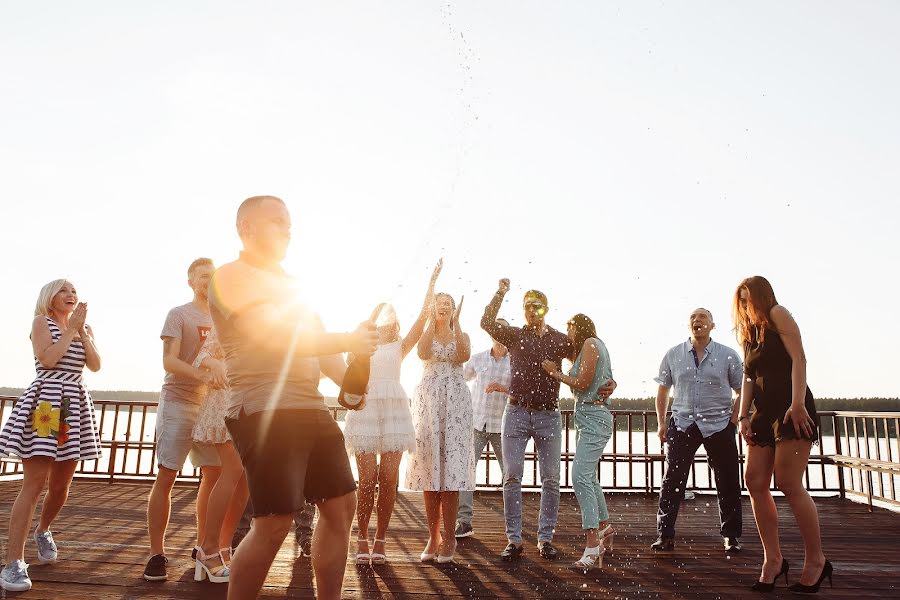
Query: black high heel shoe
x,y
827,571
767,588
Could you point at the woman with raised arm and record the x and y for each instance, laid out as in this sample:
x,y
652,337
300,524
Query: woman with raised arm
x,y
590,371
444,460
52,426
781,431
382,430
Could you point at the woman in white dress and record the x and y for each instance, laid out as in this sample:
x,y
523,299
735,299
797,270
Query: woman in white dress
x,y
229,494
444,459
379,433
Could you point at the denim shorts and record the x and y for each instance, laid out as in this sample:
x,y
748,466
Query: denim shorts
x,y
174,436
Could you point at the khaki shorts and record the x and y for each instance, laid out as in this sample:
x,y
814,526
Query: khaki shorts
x,y
174,441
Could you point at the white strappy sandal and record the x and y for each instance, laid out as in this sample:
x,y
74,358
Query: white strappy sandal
x,y
377,557
216,574
363,558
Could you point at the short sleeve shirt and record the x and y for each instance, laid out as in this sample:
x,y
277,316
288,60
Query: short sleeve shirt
x,y
263,372
702,386
190,325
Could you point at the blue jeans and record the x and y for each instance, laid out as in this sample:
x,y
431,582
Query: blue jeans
x,y
593,428
545,427
464,514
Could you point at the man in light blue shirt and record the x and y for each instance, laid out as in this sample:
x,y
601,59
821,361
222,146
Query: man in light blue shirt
x,y
704,412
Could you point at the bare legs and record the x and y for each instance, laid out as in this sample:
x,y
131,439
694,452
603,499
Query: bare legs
x,y
159,505
433,518
436,505
223,510
37,471
788,462
386,475
208,479
367,467
791,458
255,554
61,474
330,540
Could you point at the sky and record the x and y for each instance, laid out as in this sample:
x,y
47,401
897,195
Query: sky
x,y
633,160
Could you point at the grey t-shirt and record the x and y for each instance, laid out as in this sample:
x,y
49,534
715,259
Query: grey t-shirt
x,y
264,374
190,325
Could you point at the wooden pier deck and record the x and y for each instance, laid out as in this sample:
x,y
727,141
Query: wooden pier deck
x,y
103,545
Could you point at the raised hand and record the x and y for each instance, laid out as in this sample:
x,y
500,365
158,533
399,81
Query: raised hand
x,y
435,273
504,285
458,310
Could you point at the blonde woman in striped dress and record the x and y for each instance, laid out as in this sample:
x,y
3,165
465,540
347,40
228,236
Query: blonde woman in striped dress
x,y
52,426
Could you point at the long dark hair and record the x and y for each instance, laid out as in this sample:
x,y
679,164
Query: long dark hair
x,y
751,320
584,330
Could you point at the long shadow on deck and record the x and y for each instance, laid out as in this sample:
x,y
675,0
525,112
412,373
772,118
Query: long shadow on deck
x,y
103,546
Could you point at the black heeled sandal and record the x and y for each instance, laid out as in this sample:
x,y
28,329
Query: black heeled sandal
x,y
827,571
767,588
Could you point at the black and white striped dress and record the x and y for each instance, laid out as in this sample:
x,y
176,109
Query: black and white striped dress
x,y
55,416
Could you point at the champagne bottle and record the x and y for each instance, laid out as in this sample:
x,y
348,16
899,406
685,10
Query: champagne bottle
x,y
356,377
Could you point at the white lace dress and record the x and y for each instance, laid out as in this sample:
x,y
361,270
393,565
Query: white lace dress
x,y
384,424
210,426
444,459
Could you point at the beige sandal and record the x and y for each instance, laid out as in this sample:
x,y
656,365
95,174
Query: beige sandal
x,y
377,557
363,558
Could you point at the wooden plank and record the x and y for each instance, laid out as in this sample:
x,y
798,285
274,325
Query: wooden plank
x,y
102,538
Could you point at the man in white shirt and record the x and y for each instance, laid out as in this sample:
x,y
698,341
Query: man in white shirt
x,y
492,375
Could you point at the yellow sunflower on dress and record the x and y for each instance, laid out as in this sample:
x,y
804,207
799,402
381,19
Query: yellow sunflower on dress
x,y
46,419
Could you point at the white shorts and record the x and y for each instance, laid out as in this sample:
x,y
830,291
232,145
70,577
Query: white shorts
x,y
174,442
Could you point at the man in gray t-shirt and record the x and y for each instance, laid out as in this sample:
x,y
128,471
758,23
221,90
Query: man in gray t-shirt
x,y
182,394
186,327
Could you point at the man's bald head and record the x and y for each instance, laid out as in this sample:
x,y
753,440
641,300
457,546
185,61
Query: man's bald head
x,y
250,205
264,226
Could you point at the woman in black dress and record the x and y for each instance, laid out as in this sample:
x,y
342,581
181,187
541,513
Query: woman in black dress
x,y
781,431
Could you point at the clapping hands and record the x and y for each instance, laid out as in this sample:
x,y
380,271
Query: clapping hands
x,y
78,317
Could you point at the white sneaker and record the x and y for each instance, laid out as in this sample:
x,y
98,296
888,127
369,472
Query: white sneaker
x,y
47,551
14,577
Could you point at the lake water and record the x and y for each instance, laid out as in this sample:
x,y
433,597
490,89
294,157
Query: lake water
x,y
621,475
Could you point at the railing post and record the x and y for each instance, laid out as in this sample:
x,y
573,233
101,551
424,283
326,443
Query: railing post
x,y
837,450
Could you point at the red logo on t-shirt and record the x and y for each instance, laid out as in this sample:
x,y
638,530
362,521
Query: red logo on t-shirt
x,y
203,331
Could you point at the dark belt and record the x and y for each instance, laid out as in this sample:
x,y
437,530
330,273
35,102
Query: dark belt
x,y
528,406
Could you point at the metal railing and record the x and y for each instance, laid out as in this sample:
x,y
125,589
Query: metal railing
x,y
633,461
